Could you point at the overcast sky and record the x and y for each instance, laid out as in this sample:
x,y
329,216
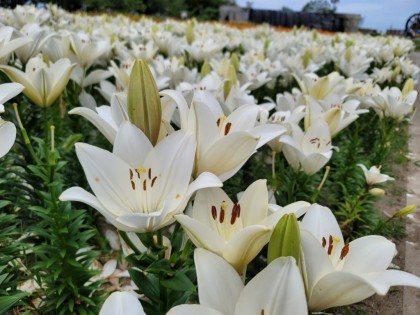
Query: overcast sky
x,y
376,14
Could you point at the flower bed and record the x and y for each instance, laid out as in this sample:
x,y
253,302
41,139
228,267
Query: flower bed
x,y
247,162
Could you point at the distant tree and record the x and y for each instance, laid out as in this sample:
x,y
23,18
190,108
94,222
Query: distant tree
x,y
320,6
286,9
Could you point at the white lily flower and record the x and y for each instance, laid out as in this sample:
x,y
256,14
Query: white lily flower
x,y
338,114
88,51
277,289
224,144
122,303
139,187
7,129
38,35
373,175
235,231
8,45
340,273
43,82
310,150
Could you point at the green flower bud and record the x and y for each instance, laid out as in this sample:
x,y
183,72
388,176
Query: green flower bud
x,y
205,69
234,61
285,239
144,108
230,81
189,33
405,211
377,192
408,86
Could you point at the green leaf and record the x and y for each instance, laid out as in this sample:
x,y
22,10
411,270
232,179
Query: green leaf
x,y
6,302
145,285
179,282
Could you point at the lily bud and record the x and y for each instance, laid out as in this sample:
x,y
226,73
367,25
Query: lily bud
x,y
377,192
234,61
230,81
395,73
405,211
143,101
307,56
408,86
189,33
347,54
285,239
205,69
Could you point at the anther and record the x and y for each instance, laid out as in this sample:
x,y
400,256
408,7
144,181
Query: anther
x,y
133,185
131,174
214,212
153,181
149,173
330,245
144,185
227,128
324,242
344,251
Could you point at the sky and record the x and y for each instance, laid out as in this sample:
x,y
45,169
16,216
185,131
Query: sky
x,y
376,14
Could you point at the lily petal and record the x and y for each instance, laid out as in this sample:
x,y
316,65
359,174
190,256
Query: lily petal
x,y
278,289
192,310
122,303
219,284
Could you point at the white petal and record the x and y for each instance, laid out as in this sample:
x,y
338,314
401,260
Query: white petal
x,y
219,285
122,303
377,253
337,289
132,145
103,126
111,185
201,235
186,309
321,222
278,289
254,203
7,136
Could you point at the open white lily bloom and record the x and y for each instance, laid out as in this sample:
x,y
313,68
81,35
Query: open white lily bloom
x,y
138,187
224,144
310,150
373,175
43,82
340,273
278,289
7,129
8,45
235,231
122,303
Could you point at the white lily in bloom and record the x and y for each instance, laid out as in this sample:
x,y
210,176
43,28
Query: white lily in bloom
x,y
38,35
200,49
88,51
7,129
338,113
224,144
322,88
277,289
391,102
122,303
373,175
340,273
43,82
138,187
8,45
310,150
235,231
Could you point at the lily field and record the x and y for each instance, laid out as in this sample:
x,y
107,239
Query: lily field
x,y
186,167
